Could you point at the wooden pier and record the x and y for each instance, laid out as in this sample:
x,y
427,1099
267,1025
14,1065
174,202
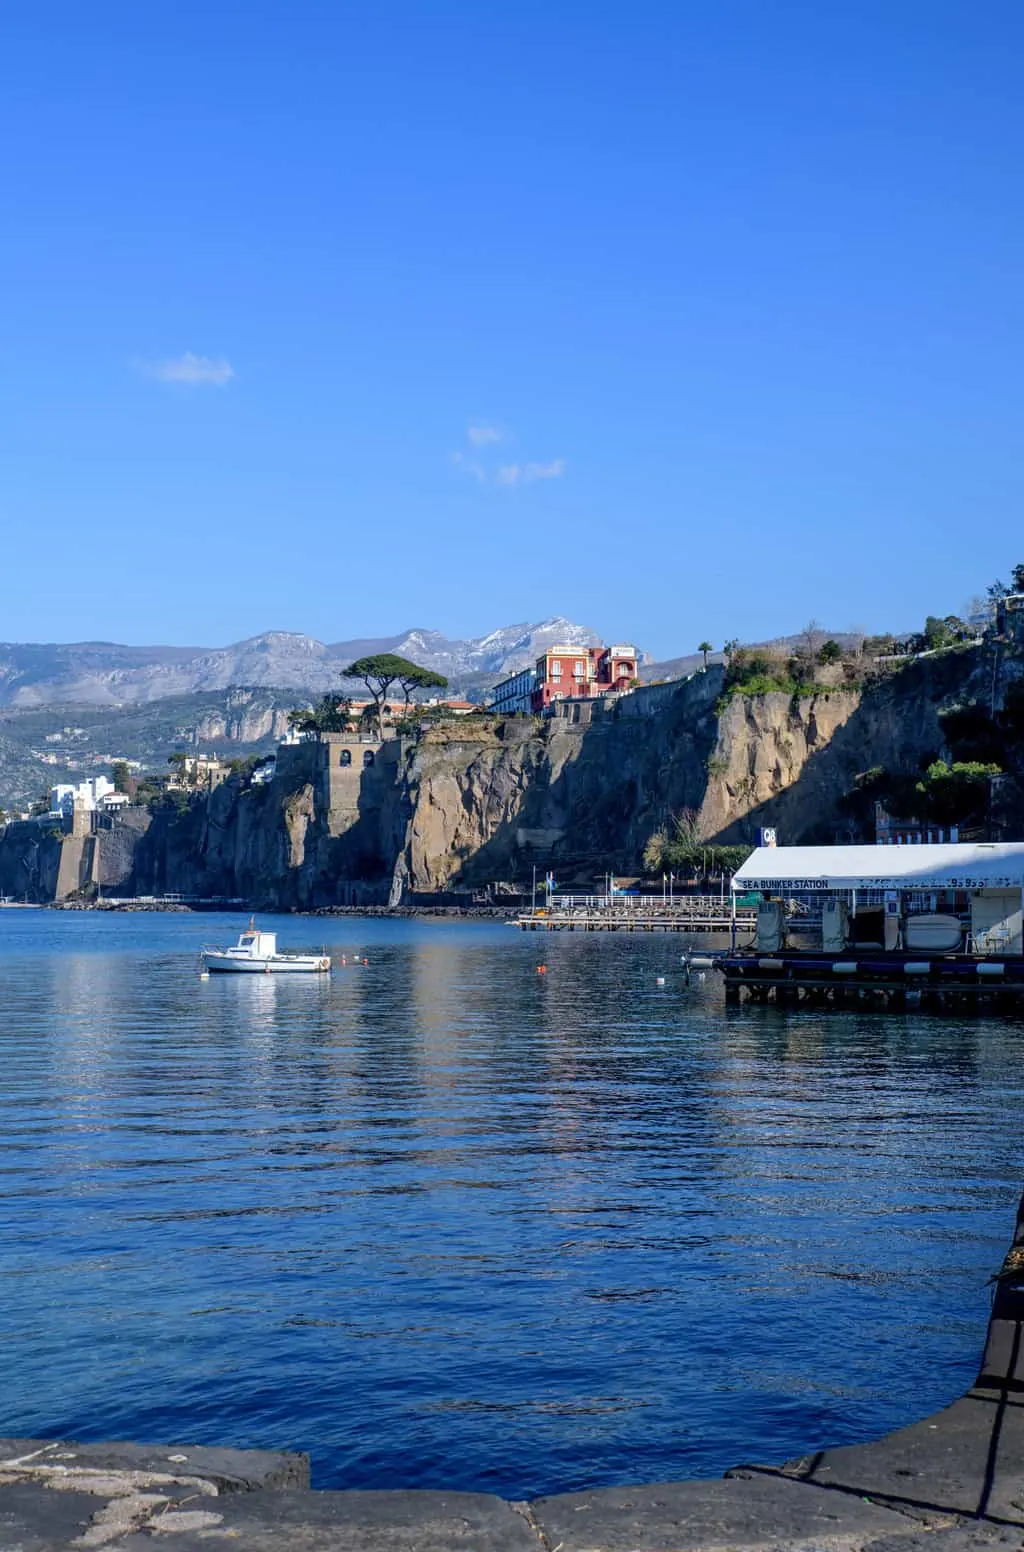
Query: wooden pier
x,y
691,913
897,979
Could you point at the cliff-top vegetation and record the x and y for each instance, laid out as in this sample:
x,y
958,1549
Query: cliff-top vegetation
x,y
680,847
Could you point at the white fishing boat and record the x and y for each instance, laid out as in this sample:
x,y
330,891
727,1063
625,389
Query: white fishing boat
x,y
256,953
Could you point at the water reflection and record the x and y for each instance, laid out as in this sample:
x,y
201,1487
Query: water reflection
x,y
443,1220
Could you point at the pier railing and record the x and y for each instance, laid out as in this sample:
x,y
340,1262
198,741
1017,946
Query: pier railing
x,y
638,913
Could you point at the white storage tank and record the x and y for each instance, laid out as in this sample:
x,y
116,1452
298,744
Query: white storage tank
x,y
935,932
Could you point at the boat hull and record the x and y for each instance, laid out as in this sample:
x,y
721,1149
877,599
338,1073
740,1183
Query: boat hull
x,y
285,964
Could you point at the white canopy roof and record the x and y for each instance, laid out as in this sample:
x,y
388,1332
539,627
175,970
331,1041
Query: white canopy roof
x,y
999,865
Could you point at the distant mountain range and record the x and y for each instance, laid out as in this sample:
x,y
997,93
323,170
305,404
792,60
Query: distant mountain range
x,y
103,673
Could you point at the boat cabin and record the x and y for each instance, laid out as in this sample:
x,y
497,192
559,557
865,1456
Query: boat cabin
x,y
257,945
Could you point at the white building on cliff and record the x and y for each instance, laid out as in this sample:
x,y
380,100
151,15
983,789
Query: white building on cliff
x,y
96,794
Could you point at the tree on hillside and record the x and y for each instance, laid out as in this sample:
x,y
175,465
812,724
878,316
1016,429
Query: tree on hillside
x,y
958,629
179,760
999,589
681,844
328,715
829,652
381,670
421,679
705,647
730,649
812,637
957,793
943,633
121,776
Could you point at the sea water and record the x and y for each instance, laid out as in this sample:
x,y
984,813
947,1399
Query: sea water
x,y
442,1220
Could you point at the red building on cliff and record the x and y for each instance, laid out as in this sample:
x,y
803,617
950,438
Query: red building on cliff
x,y
578,673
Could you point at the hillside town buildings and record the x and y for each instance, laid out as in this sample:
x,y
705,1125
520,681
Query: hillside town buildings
x,y
567,673
197,772
97,795
893,831
513,697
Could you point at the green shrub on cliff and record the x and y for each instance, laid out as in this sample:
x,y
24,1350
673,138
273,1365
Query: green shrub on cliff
x,y
419,717
943,793
679,845
174,800
329,715
763,673
956,794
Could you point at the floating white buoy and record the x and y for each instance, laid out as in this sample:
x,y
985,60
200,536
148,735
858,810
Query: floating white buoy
x,y
204,975
660,981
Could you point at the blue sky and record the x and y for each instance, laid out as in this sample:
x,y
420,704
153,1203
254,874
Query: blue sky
x,y
681,319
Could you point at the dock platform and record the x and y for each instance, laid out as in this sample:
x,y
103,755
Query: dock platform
x,y
890,979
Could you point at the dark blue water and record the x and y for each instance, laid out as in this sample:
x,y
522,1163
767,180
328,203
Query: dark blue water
x,y
444,1221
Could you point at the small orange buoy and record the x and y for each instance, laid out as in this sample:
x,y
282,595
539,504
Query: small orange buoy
x,y
542,969
366,961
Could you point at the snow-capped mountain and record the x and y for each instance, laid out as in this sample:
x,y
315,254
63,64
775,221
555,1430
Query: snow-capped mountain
x,y
517,646
105,673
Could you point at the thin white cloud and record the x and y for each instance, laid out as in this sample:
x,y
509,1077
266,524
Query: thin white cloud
x,y
483,467
526,473
470,466
191,369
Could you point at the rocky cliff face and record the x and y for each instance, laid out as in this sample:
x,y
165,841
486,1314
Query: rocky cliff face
x,y
465,803
895,724
567,795
30,862
247,717
39,862
479,799
766,746
490,800
321,833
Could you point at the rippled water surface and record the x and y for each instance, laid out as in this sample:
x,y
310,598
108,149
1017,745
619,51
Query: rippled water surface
x,y
441,1220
